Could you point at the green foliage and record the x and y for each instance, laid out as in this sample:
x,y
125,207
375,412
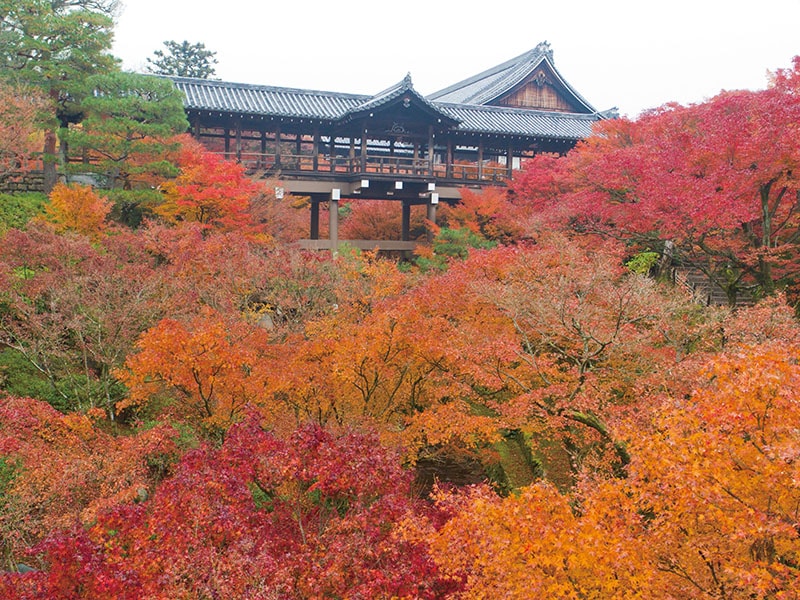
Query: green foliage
x,y
452,244
56,46
20,378
17,209
130,120
643,262
183,59
68,393
8,471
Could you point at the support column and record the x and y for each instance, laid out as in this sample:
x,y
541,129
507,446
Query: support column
x,y
314,233
480,160
333,216
364,150
315,150
238,141
405,230
430,149
227,143
448,169
510,161
277,145
262,158
434,201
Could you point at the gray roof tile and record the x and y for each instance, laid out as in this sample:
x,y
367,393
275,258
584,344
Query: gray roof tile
x,y
493,83
333,107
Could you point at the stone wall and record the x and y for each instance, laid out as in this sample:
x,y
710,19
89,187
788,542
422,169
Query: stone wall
x,y
29,181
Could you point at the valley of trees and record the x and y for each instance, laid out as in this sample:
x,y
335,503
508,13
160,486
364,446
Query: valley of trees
x,y
530,407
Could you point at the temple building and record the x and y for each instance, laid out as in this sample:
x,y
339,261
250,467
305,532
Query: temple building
x,y
397,144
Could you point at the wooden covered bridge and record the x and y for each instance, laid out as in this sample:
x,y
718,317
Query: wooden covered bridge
x,y
396,145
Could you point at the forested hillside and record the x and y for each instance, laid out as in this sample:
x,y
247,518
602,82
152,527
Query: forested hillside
x,y
540,404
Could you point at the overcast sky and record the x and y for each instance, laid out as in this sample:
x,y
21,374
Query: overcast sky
x,y
630,54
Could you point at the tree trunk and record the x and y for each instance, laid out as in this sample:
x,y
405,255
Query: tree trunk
x,y
50,171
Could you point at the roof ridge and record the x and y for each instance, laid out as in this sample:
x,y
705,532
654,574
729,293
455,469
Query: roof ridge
x,y
541,49
258,86
515,111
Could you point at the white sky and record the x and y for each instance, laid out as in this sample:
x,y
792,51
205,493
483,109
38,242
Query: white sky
x,y
630,54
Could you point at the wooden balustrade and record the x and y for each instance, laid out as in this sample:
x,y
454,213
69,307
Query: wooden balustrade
x,y
385,165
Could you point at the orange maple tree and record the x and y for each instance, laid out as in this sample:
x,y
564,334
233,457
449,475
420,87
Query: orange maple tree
x,y
205,370
77,208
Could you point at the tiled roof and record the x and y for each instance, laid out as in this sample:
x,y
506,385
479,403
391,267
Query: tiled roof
x,y
508,121
203,94
489,85
405,87
333,107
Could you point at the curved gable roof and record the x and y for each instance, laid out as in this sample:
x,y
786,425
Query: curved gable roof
x,y
492,84
403,89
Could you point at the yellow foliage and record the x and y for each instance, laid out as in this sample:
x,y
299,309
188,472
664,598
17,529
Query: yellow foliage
x,y
77,208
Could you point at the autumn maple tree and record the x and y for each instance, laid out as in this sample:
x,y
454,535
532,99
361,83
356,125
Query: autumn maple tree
x,y
715,179
21,109
208,190
208,368
315,515
73,310
62,469
77,208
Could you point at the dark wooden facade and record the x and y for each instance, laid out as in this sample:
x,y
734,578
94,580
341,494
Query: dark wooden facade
x,y
397,144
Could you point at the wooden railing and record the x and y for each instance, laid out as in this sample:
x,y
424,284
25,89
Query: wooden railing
x,y
384,165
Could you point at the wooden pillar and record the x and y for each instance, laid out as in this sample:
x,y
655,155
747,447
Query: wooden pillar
x,y
448,169
364,150
277,145
332,152
263,156
405,230
227,143
314,219
333,220
196,128
480,160
510,159
315,150
430,149
432,203
238,141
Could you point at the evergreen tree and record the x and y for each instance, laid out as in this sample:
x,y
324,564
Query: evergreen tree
x,y
128,124
183,59
55,45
